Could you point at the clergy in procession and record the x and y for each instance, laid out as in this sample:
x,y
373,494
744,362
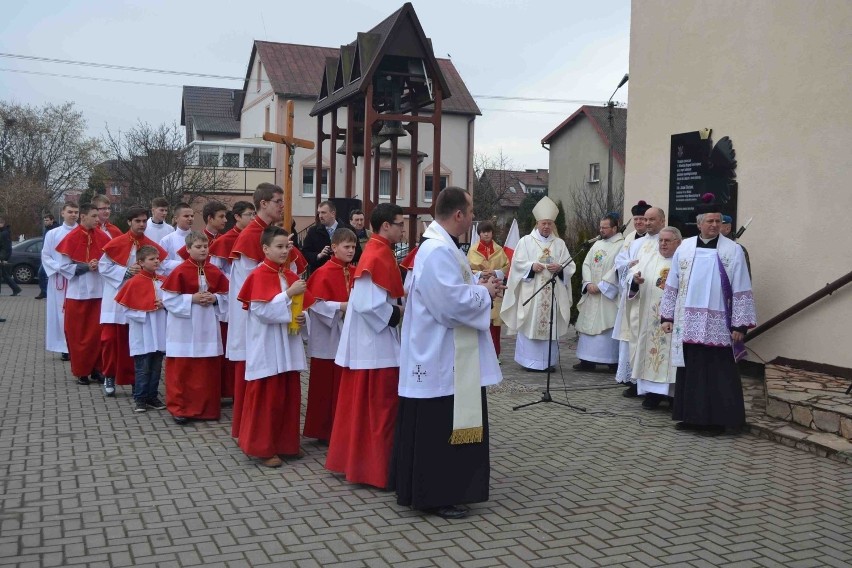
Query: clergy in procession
x,y
708,307
650,363
487,259
330,285
220,257
57,280
441,446
362,434
81,249
142,300
157,228
174,241
246,254
275,353
102,204
598,305
116,266
537,258
195,294
626,327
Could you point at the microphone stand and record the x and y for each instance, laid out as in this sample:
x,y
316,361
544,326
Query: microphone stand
x,y
545,396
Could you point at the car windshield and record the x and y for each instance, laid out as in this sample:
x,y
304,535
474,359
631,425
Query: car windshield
x,y
22,246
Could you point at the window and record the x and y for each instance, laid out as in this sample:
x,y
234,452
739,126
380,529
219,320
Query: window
x,y
231,158
115,189
594,173
427,187
208,156
537,189
308,183
385,184
259,71
257,158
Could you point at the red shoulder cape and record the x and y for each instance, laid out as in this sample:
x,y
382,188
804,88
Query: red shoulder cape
x,y
139,292
184,254
111,229
408,262
248,241
223,245
263,284
83,245
184,279
379,262
330,282
118,249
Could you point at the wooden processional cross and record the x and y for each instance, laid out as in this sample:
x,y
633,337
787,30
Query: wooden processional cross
x,y
290,143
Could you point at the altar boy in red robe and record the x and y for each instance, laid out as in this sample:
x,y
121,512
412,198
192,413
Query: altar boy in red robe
x,y
330,285
275,354
195,295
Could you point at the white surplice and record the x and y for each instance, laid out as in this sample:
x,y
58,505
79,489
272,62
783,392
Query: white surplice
x,y
192,330
113,274
156,231
326,328
58,274
532,322
147,329
172,243
270,349
366,341
235,350
438,301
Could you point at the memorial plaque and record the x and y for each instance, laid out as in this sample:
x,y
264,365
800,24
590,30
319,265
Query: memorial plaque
x,y
696,168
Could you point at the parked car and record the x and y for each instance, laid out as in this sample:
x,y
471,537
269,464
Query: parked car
x,y
26,260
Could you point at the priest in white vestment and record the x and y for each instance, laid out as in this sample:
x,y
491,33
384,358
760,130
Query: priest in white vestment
x,y
650,362
598,306
708,307
537,258
441,448
58,274
176,240
627,321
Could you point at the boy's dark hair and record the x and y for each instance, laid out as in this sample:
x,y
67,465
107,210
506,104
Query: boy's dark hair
x,y
450,200
49,216
270,233
145,251
240,207
384,212
211,208
485,227
265,192
159,202
194,236
182,205
84,209
135,211
343,235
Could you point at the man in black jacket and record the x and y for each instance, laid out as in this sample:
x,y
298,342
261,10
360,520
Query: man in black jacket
x,y
5,254
317,244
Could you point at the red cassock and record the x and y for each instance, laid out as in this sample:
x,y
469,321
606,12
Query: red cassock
x,y
362,437
221,248
271,406
193,384
82,317
330,282
115,337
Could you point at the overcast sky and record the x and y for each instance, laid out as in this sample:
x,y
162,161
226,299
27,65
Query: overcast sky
x,y
568,49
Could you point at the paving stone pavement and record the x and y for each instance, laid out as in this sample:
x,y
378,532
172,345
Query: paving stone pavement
x,y
615,486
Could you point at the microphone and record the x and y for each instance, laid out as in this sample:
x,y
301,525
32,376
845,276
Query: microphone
x,y
593,241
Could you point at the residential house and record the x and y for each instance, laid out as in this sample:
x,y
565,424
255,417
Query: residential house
x,y
579,153
510,188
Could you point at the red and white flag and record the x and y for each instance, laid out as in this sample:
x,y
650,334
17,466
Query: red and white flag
x,y
512,239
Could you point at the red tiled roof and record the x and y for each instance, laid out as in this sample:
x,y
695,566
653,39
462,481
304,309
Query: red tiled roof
x,y
296,71
598,116
503,181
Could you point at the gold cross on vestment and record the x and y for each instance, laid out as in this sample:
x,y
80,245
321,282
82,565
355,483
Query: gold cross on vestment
x,y
290,143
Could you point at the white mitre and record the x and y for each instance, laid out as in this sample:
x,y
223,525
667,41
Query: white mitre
x,y
545,209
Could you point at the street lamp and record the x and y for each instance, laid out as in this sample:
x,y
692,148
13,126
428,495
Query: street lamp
x,y
611,119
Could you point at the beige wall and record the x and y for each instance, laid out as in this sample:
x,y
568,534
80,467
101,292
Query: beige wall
x,y
571,153
774,76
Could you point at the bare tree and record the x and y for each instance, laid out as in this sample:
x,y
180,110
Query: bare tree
x,y
45,151
587,208
489,190
154,161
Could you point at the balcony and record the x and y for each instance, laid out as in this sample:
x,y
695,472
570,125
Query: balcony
x,y
239,165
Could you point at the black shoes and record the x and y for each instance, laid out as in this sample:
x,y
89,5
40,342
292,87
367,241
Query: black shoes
x,y
97,377
140,406
630,392
548,370
65,357
450,512
584,366
83,380
155,404
652,401
181,420
16,292
41,296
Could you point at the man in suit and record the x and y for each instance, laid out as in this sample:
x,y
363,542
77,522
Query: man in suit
x,y
316,247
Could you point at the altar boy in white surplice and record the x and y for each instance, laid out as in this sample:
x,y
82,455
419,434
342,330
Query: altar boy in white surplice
x,y
537,258
58,274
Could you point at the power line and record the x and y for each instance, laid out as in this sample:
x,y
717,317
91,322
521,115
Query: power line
x,y
173,72
127,81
